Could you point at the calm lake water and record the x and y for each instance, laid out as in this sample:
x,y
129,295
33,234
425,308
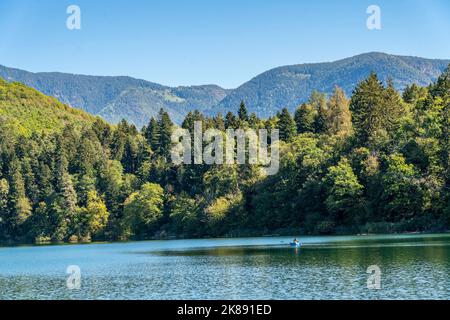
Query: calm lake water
x,y
412,266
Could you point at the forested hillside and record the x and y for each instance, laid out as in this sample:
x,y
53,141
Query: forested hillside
x,y
289,86
117,98
377,161
27,110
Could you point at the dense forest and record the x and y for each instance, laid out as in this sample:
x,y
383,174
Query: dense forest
x,y
375,162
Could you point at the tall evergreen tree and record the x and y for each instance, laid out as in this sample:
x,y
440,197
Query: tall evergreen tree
x,y
440,91
219,122
152,134
442,86
375,110
305,117
253,121
69,196
231,121
243,112
339,118
319,102
413,93
19,203
286,125
165,129
191,118
4,212
130,155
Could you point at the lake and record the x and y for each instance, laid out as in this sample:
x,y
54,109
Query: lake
x,y
334,267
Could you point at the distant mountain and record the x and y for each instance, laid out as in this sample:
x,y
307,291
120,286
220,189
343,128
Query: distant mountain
x,y
114,98
27,110
139,104
289,86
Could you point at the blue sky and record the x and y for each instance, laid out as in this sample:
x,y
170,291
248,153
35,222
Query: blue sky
x,y
226,42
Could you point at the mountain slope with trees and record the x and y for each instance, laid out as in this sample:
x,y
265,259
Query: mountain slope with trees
x,y
289,86
27,110
116,98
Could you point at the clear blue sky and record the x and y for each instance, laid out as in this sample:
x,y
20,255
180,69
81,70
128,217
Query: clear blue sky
x,y
226,42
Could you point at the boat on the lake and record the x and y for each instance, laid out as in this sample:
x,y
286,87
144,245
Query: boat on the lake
x,y
295,244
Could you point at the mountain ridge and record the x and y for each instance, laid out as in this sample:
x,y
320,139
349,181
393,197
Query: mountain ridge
x,y
100,95
288,86
137,100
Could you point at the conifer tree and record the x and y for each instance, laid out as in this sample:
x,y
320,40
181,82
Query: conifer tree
x,y
286,125
243,112
219,122
231,121
253,121
4,193
375,109
339,118
165,130
305,117
19,203
319,102
152,134
191,118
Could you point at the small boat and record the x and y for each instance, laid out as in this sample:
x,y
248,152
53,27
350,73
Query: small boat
x,y
295,244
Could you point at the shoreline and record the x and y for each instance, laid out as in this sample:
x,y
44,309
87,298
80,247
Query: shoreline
x,y
67,243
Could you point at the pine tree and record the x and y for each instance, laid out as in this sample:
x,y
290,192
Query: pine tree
x,y
413,93
253,121
4,192
219,122
19,203
440,91
191,118
68,195
305,117
103,131
319,102
85,184
61,167
64,206
31,187
152,134
165,139
243,112
442,86
231,121
286,125
130,155
375,110
44,180
339,119
87,153
58,220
